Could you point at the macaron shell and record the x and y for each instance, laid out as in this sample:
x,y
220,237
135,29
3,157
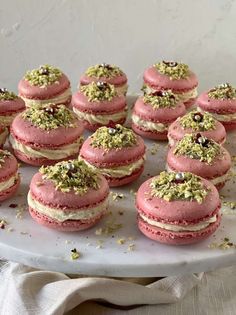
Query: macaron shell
x,y
36,92
155,79
6,194
112,157
155,135
81,102
219,106
11,106
177,132
48,195
163,115
117,80
9,168
177,238
94,127
177,211
66,226
24,131
219,167
190,102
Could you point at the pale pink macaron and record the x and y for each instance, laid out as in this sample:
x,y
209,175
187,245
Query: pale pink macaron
x,y
152,114
196,122
98,104
117,153
10,106
9,176
220,102
43,85
106,73
177,220
74,199
3,136
46,134
201,156
182,83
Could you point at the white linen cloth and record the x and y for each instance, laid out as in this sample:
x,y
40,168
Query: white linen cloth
x,y
28,291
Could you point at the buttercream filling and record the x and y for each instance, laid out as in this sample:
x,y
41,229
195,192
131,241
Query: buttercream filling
x,y
180,228
50,154
7,120
100,119
119,171
221,117
183,96
8,183
60,99
217,180
3,136
61,215
149,125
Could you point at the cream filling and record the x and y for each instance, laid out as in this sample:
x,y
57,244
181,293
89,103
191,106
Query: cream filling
x,y
54,154
100,119
61,216
7,120
119,171
149,125
228,117
3,136
171,141
8,183
180,228
184,96
214,181
60,99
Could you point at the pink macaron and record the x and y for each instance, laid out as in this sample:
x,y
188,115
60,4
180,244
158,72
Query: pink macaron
x,y
172,76
178,208
68,196
106,73
220,102
153,113
46,134
44,85
117,153
10,106
196,122
201,156
3,136
9,176
98,104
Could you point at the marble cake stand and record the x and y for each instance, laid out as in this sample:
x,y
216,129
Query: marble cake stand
x,y
26,242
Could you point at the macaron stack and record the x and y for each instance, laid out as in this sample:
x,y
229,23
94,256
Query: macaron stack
x,y
171,75
44,85
153,113
98,104
106,73
69,196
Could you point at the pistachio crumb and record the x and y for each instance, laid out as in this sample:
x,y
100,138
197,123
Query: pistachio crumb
x,y
5,95
174,70
121,241
161,99
74,254
198,121
99,91
43,76
104,70
131,247
117,196
224,244
223,91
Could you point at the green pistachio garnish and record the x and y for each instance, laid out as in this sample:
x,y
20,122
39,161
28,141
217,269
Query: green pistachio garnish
x,y
198,121
223,91
174,70
5,95
3,155
104,70
161,99
73,175
113,138
43,76
99,91
50,116
198,147
178,186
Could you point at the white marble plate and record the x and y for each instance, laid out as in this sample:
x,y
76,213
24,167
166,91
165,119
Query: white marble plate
x,y
24,241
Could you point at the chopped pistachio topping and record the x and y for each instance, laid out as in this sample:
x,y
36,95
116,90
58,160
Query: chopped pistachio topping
x,y
104,70
174,70
74,254
223,91
198,147
161,99
175,186
72,175
198,121
3,155
99,91
113,138
50,116
43,76
5,95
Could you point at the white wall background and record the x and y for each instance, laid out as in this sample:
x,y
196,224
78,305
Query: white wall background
x,y
133,34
